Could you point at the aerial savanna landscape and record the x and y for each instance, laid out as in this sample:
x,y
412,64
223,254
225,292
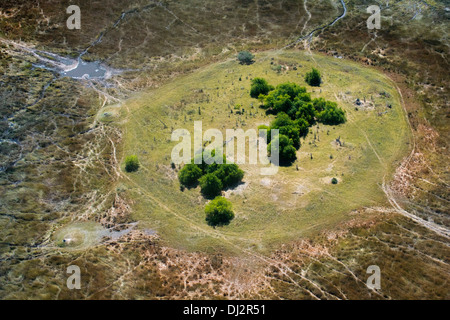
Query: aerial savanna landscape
x,y
224,150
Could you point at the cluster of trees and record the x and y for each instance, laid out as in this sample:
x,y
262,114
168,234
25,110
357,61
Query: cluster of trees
x,y
295,112
212,178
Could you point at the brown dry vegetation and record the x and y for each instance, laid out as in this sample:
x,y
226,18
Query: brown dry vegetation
x,y
414,54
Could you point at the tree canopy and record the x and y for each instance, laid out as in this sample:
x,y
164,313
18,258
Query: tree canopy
x,y
189,175
212,177
210,185
313,78
131,163
295,112
219,212
229,174
245,57
259,86
286,150
332,114
287,127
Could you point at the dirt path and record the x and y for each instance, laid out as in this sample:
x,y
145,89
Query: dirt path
x,y
309,35
440,230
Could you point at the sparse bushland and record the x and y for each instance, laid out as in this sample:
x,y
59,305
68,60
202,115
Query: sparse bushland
x,y
131,163
219,212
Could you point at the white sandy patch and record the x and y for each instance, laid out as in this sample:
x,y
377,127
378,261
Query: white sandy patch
x,y
239,190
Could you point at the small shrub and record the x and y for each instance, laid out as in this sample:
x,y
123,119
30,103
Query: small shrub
x,y
245,57
219,212
334,181
313,78
131,163
277,68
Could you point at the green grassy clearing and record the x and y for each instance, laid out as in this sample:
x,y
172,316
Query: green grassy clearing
x,y
269,209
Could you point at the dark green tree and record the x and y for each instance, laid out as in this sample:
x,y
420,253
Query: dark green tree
x,y
332,114
303,97
286,150
277,103
282,99
287,127
291,89
259,87
229,174
313,78
282,120
306,111
210,185
131,163
212,177
303,127
263,126
319,104
189,175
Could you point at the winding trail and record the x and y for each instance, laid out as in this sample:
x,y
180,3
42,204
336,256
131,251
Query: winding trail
x,y
309,35
308,13
438,229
